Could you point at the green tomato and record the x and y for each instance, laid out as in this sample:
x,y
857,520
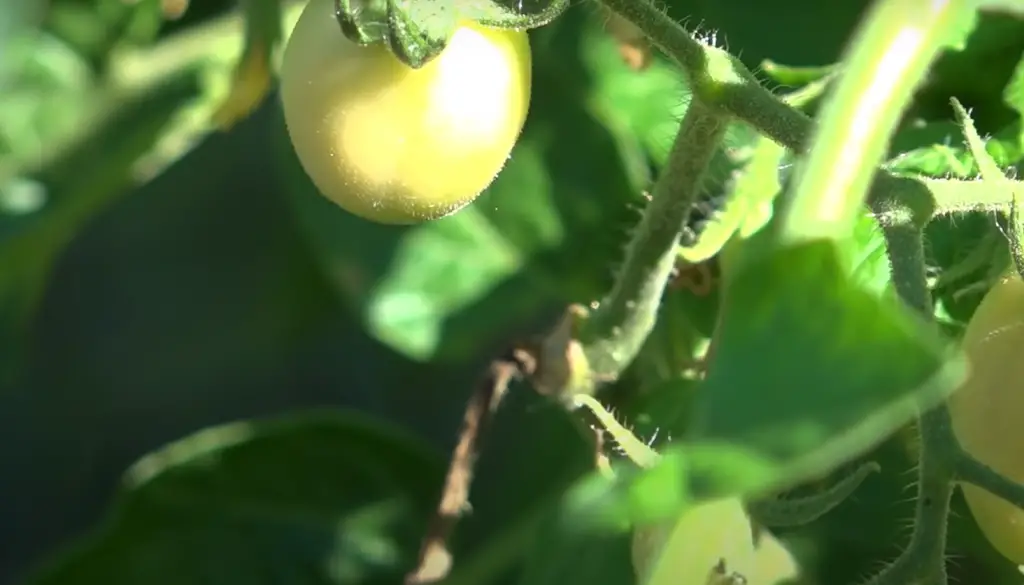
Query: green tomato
x,y
712,543
988,410
398,145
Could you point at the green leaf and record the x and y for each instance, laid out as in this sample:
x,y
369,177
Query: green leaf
x,y
864,257
987,167
930,148
254,71
646,105
854,368
937,149
1013,95
48,90
308,499
790,75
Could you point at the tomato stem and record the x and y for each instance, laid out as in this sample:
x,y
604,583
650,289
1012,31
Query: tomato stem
x,y
924,559
885,61
970,470
796,511
614,332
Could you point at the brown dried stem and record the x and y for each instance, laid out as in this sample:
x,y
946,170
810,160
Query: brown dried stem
x,y
435,560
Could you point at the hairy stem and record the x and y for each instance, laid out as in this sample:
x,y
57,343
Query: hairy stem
x,y
972,471
723,81
618,327
781,512
885,62
924,559
718,77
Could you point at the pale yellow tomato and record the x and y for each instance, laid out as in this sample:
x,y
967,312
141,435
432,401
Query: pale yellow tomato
x,y
399,145
710,541
713,543
988,410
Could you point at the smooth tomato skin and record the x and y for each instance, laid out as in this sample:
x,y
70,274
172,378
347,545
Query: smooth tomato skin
x,y
988,410
397,145
689,548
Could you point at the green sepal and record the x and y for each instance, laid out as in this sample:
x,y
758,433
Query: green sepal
x,y
418,30
364,22
512,14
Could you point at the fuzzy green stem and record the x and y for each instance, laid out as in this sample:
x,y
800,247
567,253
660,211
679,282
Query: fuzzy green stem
x,y
924,562
888,57
906,255
618,327
970,470
1016,226
785,511
717,77
924,559
927,549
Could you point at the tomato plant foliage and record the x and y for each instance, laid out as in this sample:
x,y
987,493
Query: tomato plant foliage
x,y
210,373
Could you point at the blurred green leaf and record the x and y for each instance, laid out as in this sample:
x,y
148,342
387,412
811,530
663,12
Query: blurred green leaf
x,y
1013,94
795,76
96,27
48,89
937,149
253,72
864,257
311,498
930,148
843,346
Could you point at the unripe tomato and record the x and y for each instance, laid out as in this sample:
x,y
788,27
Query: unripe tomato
x,y
399,145
988,410
712,536
712,543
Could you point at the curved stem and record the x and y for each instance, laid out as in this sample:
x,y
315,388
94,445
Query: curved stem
x,y
888,57
924,559
614,332
970,470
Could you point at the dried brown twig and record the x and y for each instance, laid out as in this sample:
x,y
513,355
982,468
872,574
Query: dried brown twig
x,y
435,560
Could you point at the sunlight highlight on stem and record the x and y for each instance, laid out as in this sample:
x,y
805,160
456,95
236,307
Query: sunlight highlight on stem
x,y
886,61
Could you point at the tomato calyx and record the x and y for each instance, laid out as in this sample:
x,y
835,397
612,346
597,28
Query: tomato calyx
x,y
512,14
416,31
